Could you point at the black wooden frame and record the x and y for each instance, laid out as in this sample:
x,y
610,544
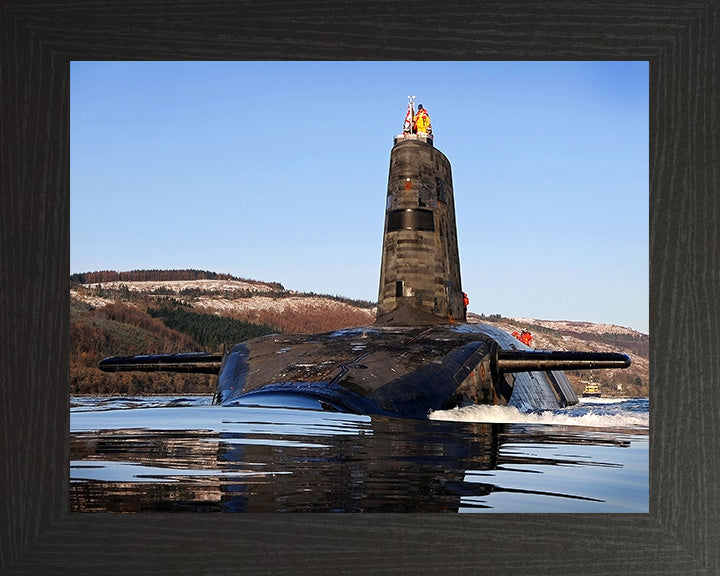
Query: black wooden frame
x,y
680,42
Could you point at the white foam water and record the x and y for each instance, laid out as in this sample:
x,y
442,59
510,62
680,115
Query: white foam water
x,y
598,413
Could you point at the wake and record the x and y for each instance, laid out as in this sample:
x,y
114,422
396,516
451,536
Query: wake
x,y
588,414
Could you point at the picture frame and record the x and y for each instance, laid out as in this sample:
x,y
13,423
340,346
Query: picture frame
x,y
39,535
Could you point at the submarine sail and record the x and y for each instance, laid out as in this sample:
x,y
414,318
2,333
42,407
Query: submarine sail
x,y
420,354
420,262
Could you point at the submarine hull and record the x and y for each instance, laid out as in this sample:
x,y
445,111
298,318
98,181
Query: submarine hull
x,y
404,371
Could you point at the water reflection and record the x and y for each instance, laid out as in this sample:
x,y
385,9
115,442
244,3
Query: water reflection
x,y
265,459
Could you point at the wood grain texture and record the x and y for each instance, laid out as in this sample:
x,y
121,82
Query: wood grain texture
x,y
680,535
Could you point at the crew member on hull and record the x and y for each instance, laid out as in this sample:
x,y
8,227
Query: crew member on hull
x,y
525,336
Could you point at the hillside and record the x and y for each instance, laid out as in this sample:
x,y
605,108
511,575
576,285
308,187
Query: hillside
x,y
174,311
164,311
567,335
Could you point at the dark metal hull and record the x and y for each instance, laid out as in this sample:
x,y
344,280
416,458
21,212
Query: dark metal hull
x,y
390,369
394,370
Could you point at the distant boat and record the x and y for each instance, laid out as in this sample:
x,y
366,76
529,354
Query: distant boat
x,y
592,390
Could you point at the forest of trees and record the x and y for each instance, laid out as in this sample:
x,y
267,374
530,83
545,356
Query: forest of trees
x,y
105,276
120,329
210,331
124,329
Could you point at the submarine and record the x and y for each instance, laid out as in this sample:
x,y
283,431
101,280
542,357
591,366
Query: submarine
x,y
420,354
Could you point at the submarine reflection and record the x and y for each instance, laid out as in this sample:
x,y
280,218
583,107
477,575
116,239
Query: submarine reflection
x,y
267,459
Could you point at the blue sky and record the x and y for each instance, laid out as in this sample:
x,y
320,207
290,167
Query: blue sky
x,y
277,171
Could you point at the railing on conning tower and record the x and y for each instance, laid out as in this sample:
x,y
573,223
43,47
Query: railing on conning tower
x,y
411,129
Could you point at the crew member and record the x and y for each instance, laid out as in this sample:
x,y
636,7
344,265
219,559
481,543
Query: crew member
x,y
525,337
421,121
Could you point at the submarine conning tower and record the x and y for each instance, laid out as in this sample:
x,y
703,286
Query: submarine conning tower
x,y
420,271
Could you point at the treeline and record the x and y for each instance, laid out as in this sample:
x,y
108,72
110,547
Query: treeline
x,y
85,380
349,301
122,329
209,330
278,290
122,292
104,276
225,294
636,343
491,318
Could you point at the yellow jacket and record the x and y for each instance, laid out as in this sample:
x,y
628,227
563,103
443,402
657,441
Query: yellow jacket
x,y
422,121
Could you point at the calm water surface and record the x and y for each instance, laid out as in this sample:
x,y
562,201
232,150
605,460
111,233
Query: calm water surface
x,y
162,454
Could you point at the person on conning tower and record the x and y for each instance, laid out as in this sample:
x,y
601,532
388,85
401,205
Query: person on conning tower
x,y
422,121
